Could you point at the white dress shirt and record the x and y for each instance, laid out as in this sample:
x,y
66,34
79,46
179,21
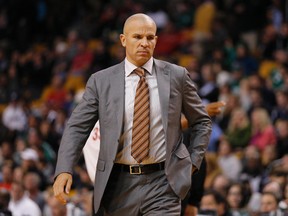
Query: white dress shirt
x,y
157,149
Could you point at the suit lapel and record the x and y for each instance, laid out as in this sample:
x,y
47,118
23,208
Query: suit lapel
x,y
117,81
163,81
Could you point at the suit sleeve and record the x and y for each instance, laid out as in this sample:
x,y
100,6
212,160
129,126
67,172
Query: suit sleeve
x,y
78,128
199,121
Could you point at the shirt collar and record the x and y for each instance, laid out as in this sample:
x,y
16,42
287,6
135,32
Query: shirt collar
x,y
129,67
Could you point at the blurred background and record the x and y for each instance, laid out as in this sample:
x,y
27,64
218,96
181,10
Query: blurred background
x,y
235,51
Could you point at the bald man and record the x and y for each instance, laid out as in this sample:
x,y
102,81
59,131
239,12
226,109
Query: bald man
x,y
149,175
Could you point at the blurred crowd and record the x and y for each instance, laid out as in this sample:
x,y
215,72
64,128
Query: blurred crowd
x,y
235,50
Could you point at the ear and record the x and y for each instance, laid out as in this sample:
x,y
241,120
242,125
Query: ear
x,y
156,39
123,40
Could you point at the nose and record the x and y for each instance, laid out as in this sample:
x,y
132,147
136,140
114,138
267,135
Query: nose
x,y
144,42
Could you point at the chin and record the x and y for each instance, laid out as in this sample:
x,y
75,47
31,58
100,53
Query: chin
x,y
142,60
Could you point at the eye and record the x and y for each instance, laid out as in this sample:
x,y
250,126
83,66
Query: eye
x,y
137,37
150,37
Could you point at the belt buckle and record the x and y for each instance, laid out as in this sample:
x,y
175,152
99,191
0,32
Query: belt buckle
x,y
132,170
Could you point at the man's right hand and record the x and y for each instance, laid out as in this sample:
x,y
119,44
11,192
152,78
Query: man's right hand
x,y
62,186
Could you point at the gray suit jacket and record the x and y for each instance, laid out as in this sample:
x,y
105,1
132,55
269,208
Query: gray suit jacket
x,y
103,100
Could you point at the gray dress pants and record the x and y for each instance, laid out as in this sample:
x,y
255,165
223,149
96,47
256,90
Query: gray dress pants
x,y
134,195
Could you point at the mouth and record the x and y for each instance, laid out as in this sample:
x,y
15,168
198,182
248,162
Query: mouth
x,y
142,52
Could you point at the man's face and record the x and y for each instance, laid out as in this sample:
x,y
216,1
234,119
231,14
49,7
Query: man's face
x,y
268,203
17,192
139,39
208,202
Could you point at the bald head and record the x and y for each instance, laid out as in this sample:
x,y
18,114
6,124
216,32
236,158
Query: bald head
x,y
139,38
138,18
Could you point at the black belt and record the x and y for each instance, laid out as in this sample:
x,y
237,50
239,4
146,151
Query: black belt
x,y
139,169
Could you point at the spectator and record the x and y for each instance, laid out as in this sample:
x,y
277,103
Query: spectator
x,y
55,94
245,60
239,129
237,199
32,186
209,91
281,127
34,141
6,151
18,173
263,133
227,159
30,160
260,95
212,169
252,168
268,155
221,184
49,135
267,41
6,176
20,145
280,111
213,201
269,204
14,117
20,203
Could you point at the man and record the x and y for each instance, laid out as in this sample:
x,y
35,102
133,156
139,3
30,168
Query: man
x,y
31,183
213,203
133,179
269,205
20,204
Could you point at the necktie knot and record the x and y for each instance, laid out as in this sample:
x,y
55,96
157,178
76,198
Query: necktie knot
x,y
140,72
